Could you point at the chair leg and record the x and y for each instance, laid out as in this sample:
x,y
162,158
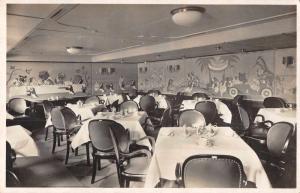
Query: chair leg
x,y
99,164
94,169
46,135
120,177
88,154
58,140
54,142
76,151
68,151
62,138
127,183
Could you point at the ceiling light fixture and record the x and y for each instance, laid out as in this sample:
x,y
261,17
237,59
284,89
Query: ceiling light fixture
x,y
187,16
74,49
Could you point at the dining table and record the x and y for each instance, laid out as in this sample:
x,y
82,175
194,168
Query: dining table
x,y
278,114
173,146
51,96
21,141
222,108
131,121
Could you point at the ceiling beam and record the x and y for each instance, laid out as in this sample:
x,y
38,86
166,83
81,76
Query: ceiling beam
x,y
275,27
47,58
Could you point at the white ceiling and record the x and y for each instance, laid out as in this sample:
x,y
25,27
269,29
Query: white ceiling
x,y
46,30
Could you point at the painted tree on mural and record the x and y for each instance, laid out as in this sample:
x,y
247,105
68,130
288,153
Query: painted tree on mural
x,y
229,59
204,68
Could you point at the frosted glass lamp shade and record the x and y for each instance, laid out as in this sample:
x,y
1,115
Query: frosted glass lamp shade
x,y
74,50
187,16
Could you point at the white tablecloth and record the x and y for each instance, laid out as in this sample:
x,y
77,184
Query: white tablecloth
x,y
21,141
131,122
278,114
85,112
222,108
170,150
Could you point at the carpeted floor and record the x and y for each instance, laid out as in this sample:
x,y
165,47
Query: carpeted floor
x,y
49,170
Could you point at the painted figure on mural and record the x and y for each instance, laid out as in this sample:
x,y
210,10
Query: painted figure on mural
x,y
133,85
60,79
264,75
170,86
45,78
121,83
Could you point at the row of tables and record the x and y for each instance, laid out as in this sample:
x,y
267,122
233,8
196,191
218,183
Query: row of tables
x,y
166,154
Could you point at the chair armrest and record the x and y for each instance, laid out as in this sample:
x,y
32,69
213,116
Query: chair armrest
x,y
261,141
263,124
79,118
137,153
268,121
262,117
151,139
249,184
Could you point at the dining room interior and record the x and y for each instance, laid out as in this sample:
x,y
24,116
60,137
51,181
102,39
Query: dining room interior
x,y
151,96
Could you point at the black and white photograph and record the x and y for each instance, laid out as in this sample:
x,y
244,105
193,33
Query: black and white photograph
x,y
150,95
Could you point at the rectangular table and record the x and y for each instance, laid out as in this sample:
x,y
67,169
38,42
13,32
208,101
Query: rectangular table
x,y
222,108
170,150
52,97
279,114
131,122
21,141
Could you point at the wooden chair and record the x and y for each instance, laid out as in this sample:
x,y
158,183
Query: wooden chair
x,y
65,122
212,171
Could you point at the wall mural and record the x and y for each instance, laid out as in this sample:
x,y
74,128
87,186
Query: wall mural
x,y
37,74
96,78
108,78
258,74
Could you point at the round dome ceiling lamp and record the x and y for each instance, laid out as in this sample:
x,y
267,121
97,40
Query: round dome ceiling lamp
x,y
187,16
74,49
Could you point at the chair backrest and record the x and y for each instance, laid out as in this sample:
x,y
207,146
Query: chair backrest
x,y
274,102
278,138
147,103
129,106
208,109
17,106
99,108
238,99
132,93
166,119
47,106
92,100
63,118
191,118
198,95
9,159
99,132
213,171
12,180
244,117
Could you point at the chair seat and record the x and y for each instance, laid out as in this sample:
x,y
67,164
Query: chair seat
x,y
104,154
137,167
